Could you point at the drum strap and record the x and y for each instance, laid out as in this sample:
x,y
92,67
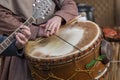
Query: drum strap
x,y
68,43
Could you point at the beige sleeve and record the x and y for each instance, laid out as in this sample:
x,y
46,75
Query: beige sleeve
x,y
68,10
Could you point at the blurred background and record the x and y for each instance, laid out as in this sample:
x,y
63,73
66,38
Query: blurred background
x,y
106,13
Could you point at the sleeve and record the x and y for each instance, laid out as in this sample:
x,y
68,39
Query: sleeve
x,y
68,10
11,50
9,22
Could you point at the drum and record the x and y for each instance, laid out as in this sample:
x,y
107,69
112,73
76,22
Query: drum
x,y
71,54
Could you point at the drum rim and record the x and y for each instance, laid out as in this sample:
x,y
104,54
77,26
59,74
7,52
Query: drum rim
x,y
72,56
103,72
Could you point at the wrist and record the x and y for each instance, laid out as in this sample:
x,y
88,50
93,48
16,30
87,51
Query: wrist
x,y
19,47
34,31
60,18
63,21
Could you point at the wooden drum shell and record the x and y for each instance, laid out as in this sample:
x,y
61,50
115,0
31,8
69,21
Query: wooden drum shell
x,y
69,67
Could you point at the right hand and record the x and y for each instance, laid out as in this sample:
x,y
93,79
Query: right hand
x,y
51,27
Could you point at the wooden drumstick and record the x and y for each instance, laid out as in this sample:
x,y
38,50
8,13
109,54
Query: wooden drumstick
x,y
67,42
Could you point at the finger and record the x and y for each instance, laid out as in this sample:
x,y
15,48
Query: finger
x,y
21,37
57,28
50,30
53,29
24,27
46,27
20,42
26,33
49,26
47,33
42,25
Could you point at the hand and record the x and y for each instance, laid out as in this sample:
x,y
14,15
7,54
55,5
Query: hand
x,y
22,37
52,26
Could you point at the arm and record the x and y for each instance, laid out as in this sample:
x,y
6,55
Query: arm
x,y
9,22
68,10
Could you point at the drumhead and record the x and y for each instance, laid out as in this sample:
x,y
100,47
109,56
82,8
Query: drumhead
x,y
81,34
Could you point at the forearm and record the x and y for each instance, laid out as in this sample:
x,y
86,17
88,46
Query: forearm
x,y
68,10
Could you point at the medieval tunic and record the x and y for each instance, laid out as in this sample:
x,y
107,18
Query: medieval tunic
x,y
12,14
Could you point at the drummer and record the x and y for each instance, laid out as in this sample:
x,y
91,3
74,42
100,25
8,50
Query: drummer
x,y
14,12
16,48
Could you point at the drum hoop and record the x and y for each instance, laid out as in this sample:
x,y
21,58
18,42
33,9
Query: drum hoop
x,y
95,39
103,72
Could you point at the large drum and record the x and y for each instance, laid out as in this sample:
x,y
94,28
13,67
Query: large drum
x,y
71,54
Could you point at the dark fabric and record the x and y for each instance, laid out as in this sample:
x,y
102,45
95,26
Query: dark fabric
x,y
11,50
15,68
106,50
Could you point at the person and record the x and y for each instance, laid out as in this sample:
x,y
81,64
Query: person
x,y
13,13
16,47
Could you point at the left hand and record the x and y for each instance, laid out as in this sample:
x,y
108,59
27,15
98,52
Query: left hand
x,y
52,26
22,37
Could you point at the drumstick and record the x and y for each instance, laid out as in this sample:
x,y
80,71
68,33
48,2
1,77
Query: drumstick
x,y
67,42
